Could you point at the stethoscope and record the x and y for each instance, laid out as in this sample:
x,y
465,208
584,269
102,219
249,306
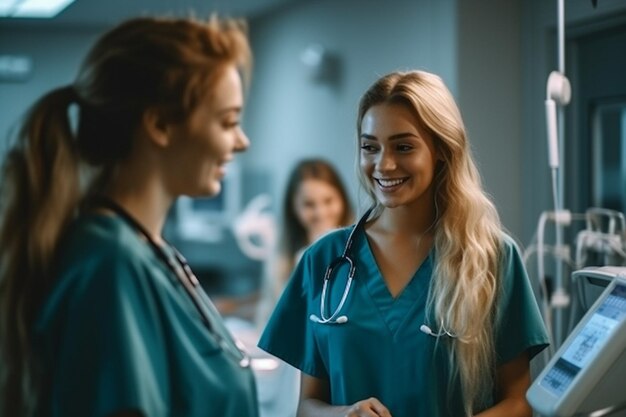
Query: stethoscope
x,y
346,258
188,279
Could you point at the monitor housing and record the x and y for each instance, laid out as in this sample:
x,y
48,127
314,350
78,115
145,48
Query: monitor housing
x,y
587,373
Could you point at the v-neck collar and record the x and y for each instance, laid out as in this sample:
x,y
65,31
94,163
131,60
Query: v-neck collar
x,y
394,311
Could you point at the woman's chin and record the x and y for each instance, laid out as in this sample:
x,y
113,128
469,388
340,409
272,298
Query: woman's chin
x,y
207,191
213,189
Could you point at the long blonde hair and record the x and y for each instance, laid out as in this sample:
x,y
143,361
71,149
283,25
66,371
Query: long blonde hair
x,y
468,236
167,64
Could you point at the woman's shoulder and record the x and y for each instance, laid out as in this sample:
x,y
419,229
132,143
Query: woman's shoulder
x,y
512,265
331,239
327,247
510,246
97,246
333,235
99,258
97,236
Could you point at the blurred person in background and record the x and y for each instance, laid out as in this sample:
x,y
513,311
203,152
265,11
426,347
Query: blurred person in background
x,y
315,202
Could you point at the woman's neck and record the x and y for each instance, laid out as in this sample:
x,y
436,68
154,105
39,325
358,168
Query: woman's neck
x,y
146,201
407,220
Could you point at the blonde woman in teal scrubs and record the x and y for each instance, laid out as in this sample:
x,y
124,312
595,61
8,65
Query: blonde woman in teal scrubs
x,y
439,318
100,316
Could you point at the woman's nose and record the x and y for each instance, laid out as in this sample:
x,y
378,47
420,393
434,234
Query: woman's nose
x,y
241,142
385,161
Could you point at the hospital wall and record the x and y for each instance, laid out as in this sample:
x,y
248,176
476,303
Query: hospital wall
x,y
55,55
494,55
470,47
539,57
290,115
294,114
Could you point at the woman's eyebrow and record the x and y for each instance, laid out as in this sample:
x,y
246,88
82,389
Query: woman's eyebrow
x,y
226,110
396,136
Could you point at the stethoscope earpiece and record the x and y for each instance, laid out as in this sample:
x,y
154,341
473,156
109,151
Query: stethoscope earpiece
x,y
425,329
339,320
315,319
342,319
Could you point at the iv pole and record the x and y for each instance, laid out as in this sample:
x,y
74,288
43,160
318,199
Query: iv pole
x,y
558,92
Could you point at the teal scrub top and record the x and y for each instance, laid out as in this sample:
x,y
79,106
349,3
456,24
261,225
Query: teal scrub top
x,y
380,351
119,332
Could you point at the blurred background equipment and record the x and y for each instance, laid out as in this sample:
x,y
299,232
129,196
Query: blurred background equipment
x,y
585,378
255,228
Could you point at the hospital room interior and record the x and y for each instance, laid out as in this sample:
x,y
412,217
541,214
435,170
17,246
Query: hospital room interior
x,y
541,85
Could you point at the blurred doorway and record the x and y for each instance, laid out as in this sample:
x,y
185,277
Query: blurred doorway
x,y
596,153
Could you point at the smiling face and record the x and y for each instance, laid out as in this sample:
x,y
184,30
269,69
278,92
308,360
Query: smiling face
x,y
318,206
206,141
397,156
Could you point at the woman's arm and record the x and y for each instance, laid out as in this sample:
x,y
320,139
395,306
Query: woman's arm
x,y
512,382
315,398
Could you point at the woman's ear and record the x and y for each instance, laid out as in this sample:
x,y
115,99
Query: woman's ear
x,y
156,127
439,166
439,154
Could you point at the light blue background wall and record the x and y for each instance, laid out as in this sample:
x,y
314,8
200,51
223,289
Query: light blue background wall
x,y
291,116
56,55
494,55
489,68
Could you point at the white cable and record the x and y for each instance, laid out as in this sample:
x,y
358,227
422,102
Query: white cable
x,y
545,303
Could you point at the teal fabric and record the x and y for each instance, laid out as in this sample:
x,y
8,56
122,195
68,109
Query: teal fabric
x,y
380,351
118,332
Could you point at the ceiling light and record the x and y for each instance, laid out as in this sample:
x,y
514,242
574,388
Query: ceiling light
x,y
32,8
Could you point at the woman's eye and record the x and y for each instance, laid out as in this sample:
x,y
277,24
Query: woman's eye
x,y
404,148
231,124
368,148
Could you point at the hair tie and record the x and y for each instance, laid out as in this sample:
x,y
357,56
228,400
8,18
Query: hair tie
x,y
73,107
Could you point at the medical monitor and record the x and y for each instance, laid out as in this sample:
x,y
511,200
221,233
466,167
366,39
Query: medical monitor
x,y
204,219
588,372
591,281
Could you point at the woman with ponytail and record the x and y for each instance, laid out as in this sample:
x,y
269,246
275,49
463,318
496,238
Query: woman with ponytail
x,y
439,318
99,315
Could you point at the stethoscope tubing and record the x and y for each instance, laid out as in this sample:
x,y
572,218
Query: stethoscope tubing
x,y
346,257
184,275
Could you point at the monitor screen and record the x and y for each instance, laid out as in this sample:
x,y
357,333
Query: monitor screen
x,y
587,343
204,218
